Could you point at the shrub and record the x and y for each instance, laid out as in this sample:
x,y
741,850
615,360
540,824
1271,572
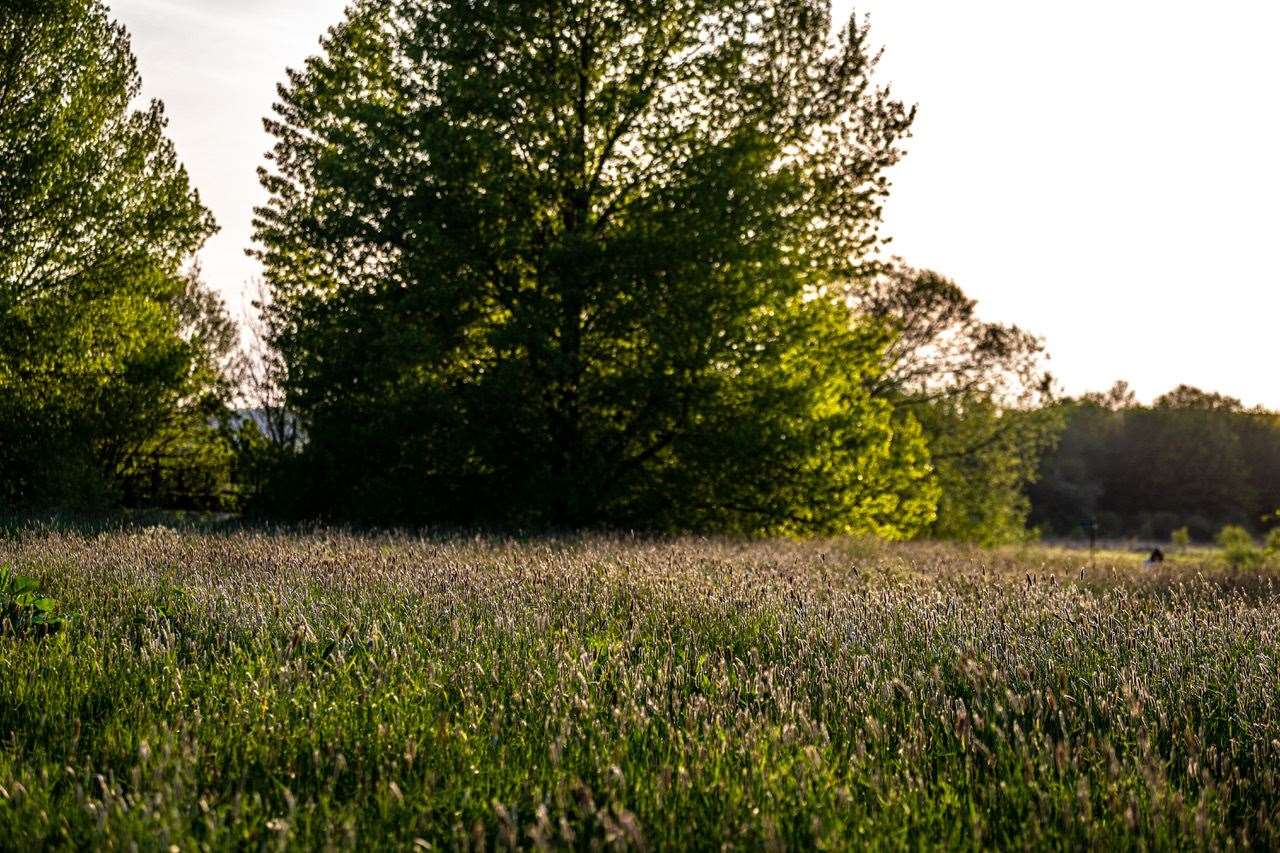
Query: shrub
x,y
1181,538
1273,542
1238,547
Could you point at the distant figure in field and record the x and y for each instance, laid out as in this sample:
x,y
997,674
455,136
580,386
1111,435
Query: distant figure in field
x,y
1157,556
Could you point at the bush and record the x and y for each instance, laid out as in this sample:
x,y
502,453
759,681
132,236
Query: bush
x,y
1273,542
1181,538
1238,547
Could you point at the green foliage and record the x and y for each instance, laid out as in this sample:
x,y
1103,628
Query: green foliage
x,y
979,391
985,455
1273,542
1181,538
24,610
253,691
100,358
585,286
183,458
1238,547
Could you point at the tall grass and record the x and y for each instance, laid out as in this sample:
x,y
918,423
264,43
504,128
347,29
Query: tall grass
x,y
263,691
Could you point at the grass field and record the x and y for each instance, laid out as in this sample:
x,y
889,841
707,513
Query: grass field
x,y
251,690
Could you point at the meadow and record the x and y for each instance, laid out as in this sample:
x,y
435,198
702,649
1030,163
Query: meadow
x,y
219,690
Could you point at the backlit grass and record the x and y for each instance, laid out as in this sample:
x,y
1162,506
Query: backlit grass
x,y
257,690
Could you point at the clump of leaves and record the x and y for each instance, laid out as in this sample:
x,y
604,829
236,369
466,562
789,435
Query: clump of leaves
x,y
24,610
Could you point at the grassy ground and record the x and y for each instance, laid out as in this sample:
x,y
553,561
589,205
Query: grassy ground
x,y
247,690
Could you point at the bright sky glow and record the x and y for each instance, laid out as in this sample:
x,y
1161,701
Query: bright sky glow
x,y
1102,173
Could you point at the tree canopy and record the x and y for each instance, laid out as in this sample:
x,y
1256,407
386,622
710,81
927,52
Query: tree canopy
x,y
570,264
566,263
979,389
105,342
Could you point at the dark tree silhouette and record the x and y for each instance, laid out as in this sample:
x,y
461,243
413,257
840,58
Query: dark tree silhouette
x,y
1192,459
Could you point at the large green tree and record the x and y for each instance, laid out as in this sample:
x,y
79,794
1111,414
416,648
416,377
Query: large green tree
x,y
562,263
101,343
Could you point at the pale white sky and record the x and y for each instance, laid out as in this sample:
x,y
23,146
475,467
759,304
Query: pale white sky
x,y
1105,173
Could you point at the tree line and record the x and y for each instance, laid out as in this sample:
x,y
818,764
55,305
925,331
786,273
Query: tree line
x,y
1193,459
529,266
